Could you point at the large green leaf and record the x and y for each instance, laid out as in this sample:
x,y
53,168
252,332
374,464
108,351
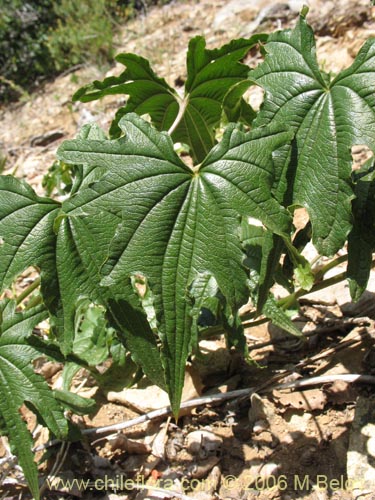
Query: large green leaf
x,y
328,117
20,384
177,223
26,235
192,119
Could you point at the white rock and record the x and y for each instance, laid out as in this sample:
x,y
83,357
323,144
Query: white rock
x,y
260,426
235,7
150,398
203,443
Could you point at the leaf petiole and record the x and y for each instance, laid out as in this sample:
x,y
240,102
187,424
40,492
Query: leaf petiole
x,y
34,285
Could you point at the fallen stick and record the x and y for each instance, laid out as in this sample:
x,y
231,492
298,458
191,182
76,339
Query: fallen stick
x,y
239,393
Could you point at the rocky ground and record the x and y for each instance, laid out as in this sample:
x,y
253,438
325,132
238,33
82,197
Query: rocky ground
x,y
278,443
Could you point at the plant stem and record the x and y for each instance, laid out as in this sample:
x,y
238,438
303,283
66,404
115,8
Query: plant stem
x,y
257,322
34,285
288,301
34,301
333,263
183,103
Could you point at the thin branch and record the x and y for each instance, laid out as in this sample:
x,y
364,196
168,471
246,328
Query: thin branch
x,y
60,459
162,412
239,393
330,265
328,379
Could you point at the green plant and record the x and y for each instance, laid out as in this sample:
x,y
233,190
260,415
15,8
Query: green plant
x,y
23,53
73,41
39,38
168,250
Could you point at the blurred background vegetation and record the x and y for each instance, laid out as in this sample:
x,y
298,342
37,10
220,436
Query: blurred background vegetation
x,y
41,38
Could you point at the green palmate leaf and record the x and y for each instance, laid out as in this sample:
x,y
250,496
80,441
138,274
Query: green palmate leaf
x,y
328,117
361,240
20,384
26,235
191,119
186,225
148,94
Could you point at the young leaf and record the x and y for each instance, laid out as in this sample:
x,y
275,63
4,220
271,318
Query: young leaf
x,y
186,225
279,317
361,240
302,269
211,312
19,383
92,335
191,119
122,373
328,117
205,303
